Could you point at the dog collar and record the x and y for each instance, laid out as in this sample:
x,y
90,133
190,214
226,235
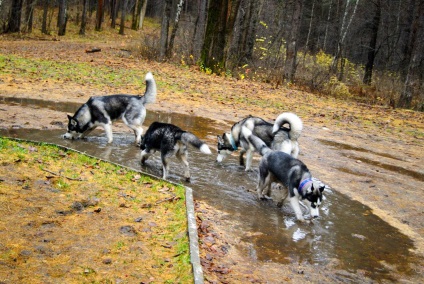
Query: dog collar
x,y
233,143
303,184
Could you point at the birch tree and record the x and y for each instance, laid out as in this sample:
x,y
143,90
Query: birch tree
x,y
175,27
343,33
142,14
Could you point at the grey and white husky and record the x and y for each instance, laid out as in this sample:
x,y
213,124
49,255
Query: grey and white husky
x,y
291,173
276,137
102,110
170,140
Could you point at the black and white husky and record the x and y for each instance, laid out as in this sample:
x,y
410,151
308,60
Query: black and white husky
x,y
102,110
276,137
291,173
170,140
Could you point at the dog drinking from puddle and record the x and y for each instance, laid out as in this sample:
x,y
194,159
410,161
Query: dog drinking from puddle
x,y
170,140
102,110
291,173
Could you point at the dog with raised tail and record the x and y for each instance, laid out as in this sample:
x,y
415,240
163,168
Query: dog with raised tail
x,y
103,110
170,140
291,173
273,135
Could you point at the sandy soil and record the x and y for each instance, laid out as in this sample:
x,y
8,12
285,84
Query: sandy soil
x,y
381,170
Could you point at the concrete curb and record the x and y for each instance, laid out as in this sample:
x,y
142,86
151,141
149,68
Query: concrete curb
x,y
191,219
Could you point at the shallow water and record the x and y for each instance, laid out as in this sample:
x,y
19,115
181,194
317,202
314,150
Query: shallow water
x,y
346,235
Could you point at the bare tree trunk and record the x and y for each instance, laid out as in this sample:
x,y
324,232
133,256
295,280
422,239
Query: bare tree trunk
x,y
135,15
165,29
199,29
99,15
84,17
310,26
406,96
123,15
290,64
45,13
212,54
372,50
256,8
175,28
62,19
142,14
343,31
14,24
29,15
113,13
327,25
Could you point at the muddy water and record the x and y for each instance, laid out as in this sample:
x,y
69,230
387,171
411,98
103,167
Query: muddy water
x,y
347,236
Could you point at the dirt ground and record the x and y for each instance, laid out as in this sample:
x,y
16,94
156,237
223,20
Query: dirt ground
x,y
380,168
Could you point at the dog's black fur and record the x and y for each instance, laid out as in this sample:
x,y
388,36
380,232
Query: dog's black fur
x,y
291,173
170,140
102,110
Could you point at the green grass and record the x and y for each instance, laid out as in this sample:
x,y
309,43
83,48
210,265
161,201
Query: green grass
x,y
106,182
79,73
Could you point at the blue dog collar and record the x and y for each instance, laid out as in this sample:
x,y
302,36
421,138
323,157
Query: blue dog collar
x,y
303,184
233,143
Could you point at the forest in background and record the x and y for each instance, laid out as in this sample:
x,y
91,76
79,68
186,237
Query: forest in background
x,y
366,50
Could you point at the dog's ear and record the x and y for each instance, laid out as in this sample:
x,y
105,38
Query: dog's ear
x,y
321,188
69,117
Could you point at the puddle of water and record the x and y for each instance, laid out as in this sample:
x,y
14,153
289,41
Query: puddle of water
x,y
347,233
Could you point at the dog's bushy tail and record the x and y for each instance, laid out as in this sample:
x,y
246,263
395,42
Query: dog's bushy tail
x,y
190,138
150,93
293,120
257,142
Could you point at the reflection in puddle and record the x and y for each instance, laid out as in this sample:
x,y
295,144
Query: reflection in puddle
x,y
346,231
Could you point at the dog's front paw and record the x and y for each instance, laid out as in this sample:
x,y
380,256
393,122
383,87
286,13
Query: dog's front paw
x,y
301,219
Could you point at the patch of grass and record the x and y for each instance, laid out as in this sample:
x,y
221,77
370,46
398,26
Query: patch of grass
x,y
61,71
69,223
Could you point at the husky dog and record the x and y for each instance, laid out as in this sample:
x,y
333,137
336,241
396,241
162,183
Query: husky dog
x,y
274,136
101,111
169,140
291,173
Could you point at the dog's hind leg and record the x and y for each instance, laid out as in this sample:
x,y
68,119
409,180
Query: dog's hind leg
x,y
138,131
145,154
241,158
182,156
108,129
284,195
165,166
249,159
